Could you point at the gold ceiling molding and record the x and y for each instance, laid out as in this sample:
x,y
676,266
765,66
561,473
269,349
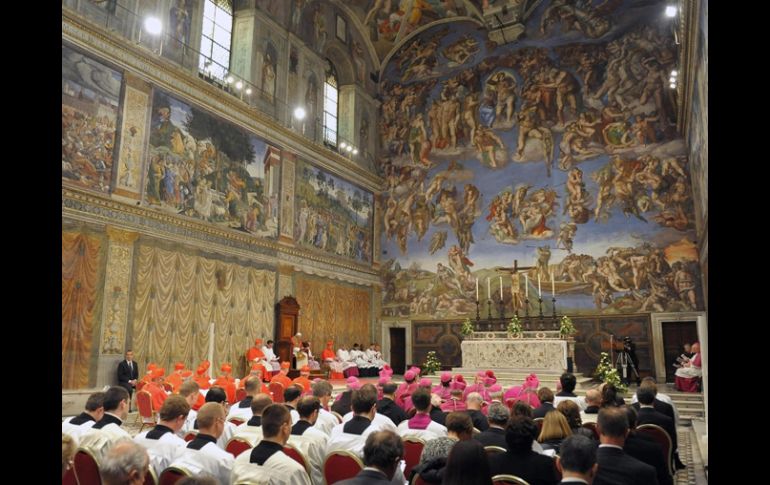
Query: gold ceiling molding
x,y
122,52
689,11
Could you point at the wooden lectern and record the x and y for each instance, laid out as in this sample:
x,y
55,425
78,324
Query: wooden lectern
x,y
287,317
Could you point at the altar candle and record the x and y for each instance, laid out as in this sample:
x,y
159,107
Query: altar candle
x,y
539,293
553,285
477,289
501,288
526,286
489,289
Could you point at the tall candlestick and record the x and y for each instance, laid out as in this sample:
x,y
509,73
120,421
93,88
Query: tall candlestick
x,y
526,286
501,288
489,290
539,293
477,289
553,285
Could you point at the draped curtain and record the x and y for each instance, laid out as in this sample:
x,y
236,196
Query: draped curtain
x,y
179,295
79,265
332,311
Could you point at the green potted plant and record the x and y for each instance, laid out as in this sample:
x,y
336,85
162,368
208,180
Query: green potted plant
x,y
607,373
566,329
514,327
467,327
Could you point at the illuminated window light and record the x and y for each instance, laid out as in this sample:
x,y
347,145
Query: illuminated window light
x,y
153,25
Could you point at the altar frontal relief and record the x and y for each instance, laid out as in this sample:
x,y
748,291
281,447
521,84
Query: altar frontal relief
x,y
558,151
203,167
90,93
332,214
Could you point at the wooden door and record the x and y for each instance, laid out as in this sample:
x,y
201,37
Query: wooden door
x,y
398,350
675,335
287,316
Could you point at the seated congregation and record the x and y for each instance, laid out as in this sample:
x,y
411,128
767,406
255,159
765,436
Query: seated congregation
x,y
295,432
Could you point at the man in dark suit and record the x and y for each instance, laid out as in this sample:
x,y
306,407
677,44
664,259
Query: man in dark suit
x,y
659,405
382,455
645,449
577,462
497,416
387,404
128,373
648,414
520,460
615,466
546,403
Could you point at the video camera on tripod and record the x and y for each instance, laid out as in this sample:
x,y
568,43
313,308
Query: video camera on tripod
x,y
627,358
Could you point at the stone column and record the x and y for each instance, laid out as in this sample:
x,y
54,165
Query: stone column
x,y
115,301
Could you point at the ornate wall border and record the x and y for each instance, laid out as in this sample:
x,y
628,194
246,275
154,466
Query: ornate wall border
x,y
83,206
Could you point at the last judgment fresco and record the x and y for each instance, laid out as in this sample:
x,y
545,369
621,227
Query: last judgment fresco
x,y
571,131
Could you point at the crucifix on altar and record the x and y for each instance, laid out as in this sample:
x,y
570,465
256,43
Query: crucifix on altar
x,y
516,300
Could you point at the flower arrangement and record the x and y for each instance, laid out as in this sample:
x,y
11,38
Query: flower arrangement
x,y
467,327
607,373
566,328
514,327
432,364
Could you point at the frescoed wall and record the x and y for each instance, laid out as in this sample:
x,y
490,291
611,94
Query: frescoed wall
x,y
90,93
203,167
557,154
332,215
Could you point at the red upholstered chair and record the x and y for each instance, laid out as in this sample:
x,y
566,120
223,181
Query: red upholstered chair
x,y
412,450
337,415
173,474
417,480
276,389
140,385
168,387
663,439
144,405
150,478
236,446
69,477
297,455
190,435
237,421
508,480
593,428
558,472
240,394
341,465
410,414
539,423
86,468
492,450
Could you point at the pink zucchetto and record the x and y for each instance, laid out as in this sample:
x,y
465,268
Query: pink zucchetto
x,y
446,376
353,383
409,375
457,386
425,382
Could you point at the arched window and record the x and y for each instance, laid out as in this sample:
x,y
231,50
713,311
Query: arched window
x,y
331,103
216,37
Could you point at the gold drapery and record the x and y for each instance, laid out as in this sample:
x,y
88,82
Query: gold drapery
x,y
179,295
79,273
332,311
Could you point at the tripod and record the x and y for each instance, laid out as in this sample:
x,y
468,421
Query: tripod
x,y
624,360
